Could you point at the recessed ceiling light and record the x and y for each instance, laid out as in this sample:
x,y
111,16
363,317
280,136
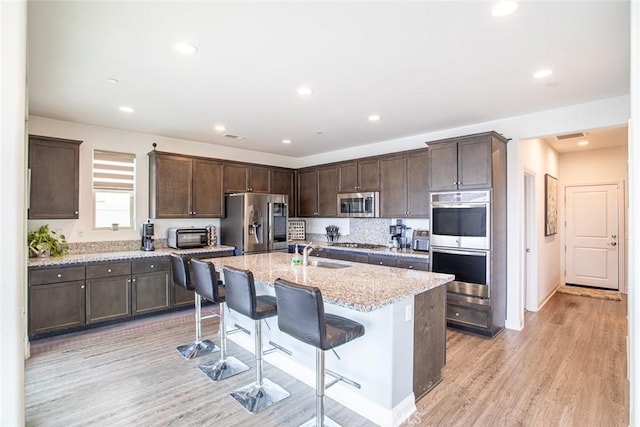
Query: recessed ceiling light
x,y
304,91
504,8
541,74
113,81
185,48
583,143
286,141
220,128
374,118
126,109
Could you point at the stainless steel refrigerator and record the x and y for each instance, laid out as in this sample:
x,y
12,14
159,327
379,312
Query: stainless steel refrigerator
x,y
255,222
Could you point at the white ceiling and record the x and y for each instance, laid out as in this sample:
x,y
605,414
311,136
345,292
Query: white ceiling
x,y
422,66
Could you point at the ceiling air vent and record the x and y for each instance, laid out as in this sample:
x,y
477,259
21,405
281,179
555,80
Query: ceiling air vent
x,y
232,136
570,136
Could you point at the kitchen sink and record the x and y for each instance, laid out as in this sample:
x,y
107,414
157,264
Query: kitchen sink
x,y
328,264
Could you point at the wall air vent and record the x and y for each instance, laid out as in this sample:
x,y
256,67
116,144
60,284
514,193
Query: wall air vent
x,y
571,136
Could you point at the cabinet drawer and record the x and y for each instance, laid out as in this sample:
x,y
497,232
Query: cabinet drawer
x,y
470,316
56,275
382,260
413,264
108,270
142,266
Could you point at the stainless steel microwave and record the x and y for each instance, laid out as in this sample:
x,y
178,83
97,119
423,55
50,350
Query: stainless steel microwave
x,y
359,205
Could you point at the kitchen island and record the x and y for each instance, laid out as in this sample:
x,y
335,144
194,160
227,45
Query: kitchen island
x,y
403,313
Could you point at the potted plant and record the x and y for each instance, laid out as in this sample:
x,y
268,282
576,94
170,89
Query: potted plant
x,y
45,242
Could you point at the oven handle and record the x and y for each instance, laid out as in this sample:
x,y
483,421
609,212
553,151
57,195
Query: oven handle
x,y
459,252
459,205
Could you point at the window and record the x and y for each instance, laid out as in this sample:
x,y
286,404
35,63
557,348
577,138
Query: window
x,y
113,189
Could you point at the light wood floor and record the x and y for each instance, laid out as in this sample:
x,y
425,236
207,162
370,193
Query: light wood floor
x,y
566,368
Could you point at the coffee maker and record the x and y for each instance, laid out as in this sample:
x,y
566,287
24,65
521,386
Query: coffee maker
x,y
146,230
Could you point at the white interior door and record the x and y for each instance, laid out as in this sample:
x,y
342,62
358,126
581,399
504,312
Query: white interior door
x,y
592,236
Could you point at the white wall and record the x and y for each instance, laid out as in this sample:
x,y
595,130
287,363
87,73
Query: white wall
x,y
13,21
95,137
539,159
592,167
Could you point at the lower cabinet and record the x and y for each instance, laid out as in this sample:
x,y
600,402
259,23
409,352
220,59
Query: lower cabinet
x,y
71,297
108,291
56,306
150,286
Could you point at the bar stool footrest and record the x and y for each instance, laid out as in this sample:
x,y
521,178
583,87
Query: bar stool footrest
x,y
222,369
328,422
255,398
193,350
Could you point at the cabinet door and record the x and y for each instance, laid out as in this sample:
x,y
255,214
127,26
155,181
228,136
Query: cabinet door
x,y
54,178
56,306
259,179
282,183
393,190
474,163
150,292
443,166
418,185
348,177
369,175
308,193
169,186
328,192
235,178
108,298
208,194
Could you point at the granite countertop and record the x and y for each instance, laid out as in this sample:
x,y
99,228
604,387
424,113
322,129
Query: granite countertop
x,y
115,256
376,251
361,287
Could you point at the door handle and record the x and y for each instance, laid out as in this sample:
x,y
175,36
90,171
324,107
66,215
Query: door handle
x,y
614,244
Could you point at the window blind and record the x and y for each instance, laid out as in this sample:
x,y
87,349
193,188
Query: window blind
x,y
113,171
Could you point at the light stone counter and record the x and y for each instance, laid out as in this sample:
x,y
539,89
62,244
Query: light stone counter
x,y
361,287
118,256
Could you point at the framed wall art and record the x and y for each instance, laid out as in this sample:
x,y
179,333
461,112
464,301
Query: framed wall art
x,y
551,205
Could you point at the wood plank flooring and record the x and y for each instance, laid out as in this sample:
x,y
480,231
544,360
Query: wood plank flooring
x,y
566,368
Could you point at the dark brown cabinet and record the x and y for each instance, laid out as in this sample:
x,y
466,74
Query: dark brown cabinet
x,y
318,192
461,163
282,182
56,299
360,175
404,187
54,178
150,285
108,291
184,187
241,177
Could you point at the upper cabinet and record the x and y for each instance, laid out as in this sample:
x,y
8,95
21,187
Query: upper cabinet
x,y
404,187
360,175
54,178
462,163
282,182
242,177
184,187
318,192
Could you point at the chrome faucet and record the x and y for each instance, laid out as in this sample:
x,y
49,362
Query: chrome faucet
x,y
307,250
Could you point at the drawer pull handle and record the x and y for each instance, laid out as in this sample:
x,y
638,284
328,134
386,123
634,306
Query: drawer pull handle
x,y
410,267
151,265
59,275
457,314
109,270
82,287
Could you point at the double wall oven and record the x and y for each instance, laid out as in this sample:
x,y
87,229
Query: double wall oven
x,y
461,242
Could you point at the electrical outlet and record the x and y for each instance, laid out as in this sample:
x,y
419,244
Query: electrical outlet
x,y
407,313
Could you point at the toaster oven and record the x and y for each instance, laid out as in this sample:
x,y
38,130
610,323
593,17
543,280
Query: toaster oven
x,y
186,238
